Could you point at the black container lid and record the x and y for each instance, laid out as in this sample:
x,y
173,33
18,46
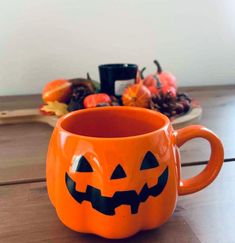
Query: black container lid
x,y
120,71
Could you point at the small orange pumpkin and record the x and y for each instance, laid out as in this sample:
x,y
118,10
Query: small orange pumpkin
x,y
94,100
160,81
166,78
136,95
57,90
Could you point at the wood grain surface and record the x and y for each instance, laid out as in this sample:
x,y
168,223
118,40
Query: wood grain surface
x,y
218,115
19,102
207,216
23,147
211,212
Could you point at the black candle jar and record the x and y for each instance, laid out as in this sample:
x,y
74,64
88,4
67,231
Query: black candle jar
x,y
115,78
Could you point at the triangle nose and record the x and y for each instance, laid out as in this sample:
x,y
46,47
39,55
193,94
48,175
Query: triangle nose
x,y
118,173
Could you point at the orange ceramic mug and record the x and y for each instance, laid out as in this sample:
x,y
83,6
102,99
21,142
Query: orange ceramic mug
x,y
114,171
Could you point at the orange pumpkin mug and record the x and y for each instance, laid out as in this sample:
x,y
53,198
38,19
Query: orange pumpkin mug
x,y
113,171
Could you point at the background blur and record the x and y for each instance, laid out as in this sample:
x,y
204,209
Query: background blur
x,y
47,39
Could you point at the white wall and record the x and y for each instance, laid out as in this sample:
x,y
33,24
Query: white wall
x,y
48,39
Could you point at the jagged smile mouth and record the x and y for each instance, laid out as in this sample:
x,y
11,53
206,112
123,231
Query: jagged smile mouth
x,y
107,205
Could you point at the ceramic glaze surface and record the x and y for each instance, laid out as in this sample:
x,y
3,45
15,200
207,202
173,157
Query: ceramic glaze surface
x,y
115,186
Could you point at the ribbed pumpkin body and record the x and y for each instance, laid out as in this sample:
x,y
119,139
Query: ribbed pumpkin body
x,y
112,187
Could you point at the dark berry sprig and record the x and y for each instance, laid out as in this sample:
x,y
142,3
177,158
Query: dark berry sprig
x,y
79,93
170,105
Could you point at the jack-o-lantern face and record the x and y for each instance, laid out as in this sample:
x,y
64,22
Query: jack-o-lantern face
x,y
107,205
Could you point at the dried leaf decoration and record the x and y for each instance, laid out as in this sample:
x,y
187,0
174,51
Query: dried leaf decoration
x,y
56,107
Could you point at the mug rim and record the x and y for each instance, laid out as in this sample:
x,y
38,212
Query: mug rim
x,y
125,108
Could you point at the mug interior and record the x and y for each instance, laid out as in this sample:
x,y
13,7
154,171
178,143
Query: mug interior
x,y
113,122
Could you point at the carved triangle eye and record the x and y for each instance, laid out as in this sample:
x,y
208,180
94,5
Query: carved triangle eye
x,y
81,164
149,161
118,173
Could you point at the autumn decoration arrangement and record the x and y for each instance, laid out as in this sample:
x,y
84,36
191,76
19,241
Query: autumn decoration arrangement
x,y
157,91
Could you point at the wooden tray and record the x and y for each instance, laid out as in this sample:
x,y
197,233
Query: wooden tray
x,y
34,115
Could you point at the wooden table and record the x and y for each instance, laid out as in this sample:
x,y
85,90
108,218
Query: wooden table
x,y
27,215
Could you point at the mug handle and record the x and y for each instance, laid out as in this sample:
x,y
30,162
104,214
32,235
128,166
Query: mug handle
x,y
209,173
